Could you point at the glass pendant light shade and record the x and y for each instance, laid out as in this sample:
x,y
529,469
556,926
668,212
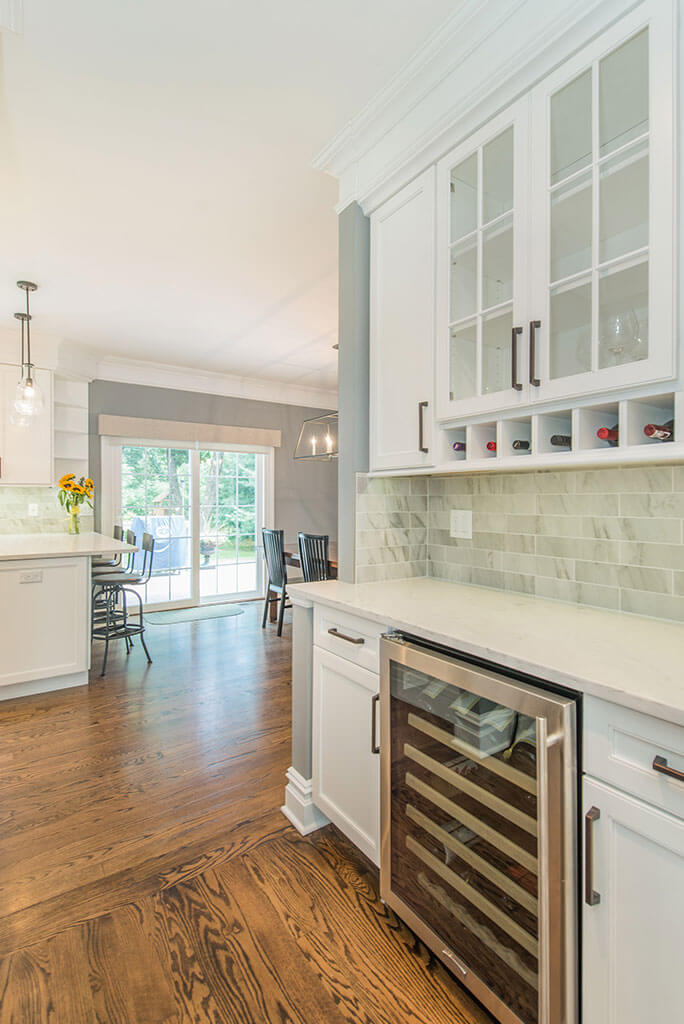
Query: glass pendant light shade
x,y
28,397
318,438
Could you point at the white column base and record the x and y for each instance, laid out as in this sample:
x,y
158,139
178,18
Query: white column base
x,y
299,807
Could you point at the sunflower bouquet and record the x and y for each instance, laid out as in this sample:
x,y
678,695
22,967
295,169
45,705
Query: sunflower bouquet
x,y
72,494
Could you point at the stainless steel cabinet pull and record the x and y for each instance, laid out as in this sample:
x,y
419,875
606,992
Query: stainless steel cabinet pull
x,y
343,636
421,440
515,383
534,327
660,765
375,746
591,897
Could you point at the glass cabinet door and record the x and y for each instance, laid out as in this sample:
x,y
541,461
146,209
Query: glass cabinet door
x,y
605,297
480,235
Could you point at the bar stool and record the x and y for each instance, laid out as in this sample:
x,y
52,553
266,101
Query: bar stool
x,y
99,563
111,621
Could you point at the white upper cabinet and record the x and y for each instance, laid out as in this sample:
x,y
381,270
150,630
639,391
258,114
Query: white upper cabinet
x,y
25,451
602,213
402,328
482,268
555,232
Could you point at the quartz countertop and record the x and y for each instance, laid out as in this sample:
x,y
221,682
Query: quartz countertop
x,y
627,659
58,545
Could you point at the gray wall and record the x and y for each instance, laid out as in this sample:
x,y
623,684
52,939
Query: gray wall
x,y
354,280
305,492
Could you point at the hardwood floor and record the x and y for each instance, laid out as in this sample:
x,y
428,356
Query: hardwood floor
x,y
148,876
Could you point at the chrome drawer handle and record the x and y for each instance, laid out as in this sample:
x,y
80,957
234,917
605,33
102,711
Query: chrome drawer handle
x,y
591,897
343,636
660,765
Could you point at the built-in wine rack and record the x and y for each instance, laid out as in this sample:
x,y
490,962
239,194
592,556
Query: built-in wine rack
x,y
604,433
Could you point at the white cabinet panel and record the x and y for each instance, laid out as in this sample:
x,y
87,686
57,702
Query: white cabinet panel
x,y
346,771
622,746
482,213
633,938
45,618
26,452
602,212
402,328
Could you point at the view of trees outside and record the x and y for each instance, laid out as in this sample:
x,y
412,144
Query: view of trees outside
x,y
156,496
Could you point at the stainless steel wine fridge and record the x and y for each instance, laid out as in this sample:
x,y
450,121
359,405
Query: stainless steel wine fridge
x,y
479,827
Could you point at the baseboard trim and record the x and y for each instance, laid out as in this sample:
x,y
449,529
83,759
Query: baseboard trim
x,y
33,686
299,808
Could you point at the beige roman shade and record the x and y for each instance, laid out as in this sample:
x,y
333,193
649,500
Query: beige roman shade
x,y
172,430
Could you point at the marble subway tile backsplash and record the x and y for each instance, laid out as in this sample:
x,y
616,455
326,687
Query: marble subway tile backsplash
x,y
50,517
610,538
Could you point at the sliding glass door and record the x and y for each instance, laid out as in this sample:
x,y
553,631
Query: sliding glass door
x,y
205,508
228,523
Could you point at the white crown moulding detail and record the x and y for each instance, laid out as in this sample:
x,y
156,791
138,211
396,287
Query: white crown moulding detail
x,y
481,59
12,15
182,378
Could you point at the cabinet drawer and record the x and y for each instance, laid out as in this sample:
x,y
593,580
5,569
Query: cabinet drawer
x,y
348,636
620,747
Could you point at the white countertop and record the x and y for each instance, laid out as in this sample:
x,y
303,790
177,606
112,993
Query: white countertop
x,y
58,545
627,659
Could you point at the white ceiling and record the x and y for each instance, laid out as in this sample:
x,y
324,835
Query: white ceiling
x,y
155,174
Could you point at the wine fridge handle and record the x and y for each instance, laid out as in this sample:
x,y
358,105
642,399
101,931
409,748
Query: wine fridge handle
x,y
421,428
515,383
660,765
534,327
375,746
591,897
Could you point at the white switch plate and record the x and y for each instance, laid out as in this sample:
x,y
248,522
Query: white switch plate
x,y
33,508
461,525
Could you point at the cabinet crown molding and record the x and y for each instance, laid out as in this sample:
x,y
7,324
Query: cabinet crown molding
x,y
484,56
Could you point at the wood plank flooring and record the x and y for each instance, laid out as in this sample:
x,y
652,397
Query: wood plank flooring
x,y
147,875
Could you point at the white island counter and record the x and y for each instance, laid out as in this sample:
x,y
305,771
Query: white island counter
x,y
45,609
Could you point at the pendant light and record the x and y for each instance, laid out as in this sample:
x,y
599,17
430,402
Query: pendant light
x,y
318,438
28,397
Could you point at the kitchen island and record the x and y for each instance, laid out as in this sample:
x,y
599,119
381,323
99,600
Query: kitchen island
x,y
45,609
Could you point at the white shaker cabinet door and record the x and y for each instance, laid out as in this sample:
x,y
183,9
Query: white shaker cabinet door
x,y
603,211
25,451
346,765
402,328
633,933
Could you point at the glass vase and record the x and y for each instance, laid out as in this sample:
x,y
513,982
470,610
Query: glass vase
x,y
74,520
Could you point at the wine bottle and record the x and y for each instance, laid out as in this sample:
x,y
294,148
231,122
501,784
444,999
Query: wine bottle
x,y
561,440
459,446
658,432
491,446
521,446
609,434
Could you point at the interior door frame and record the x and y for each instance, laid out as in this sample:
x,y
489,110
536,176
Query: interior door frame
x,y
110,503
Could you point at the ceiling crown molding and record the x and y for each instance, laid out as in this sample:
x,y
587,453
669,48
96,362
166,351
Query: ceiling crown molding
x,y
183,378
12,15
484,56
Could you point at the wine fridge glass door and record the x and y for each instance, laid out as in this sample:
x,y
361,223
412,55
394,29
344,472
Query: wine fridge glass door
x,y
469,827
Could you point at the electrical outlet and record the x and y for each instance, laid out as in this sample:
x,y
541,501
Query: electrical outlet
x,y
33,509
461,525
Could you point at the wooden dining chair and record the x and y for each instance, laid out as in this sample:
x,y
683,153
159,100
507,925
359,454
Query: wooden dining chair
x,y
274,553
314,556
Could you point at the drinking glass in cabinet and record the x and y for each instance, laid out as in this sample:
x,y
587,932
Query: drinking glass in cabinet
x,y
623,315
